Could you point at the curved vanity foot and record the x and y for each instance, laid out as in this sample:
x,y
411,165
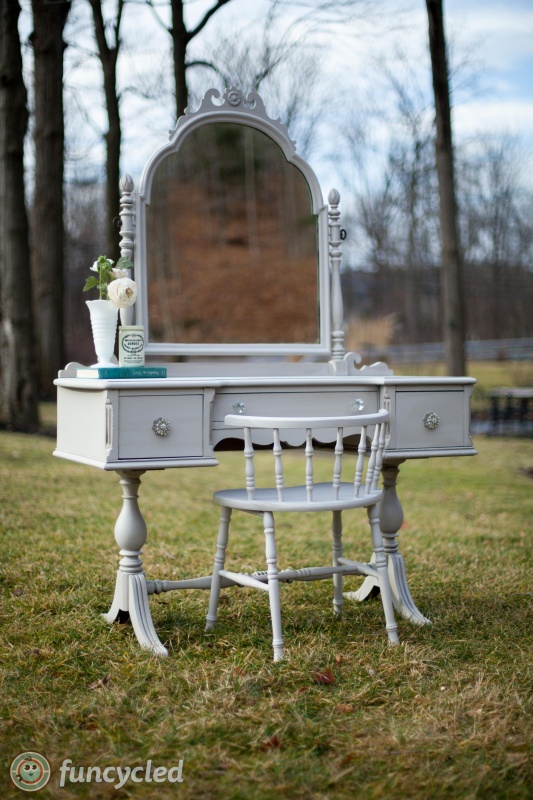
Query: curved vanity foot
x,y
131,592
131,603
141,619
402,599
401,596
368,589
119,607
391,518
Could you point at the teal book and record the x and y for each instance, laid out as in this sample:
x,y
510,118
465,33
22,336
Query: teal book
x,y
121,372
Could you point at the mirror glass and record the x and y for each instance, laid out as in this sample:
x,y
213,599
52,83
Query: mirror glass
x,y
231,243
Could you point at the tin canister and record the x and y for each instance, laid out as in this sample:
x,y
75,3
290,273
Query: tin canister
x,y
131,346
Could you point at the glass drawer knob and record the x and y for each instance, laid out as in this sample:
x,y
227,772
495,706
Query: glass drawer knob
x,y
358,404
238,407
431,420
161,427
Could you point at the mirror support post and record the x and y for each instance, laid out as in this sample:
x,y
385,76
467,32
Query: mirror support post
x,y
126,234
335,253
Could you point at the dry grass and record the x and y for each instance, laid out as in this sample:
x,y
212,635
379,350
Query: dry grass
x,y
446,715
374,331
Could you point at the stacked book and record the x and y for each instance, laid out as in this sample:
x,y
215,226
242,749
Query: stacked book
x,y
121,372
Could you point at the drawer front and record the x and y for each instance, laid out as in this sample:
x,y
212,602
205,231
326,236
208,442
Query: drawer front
x,y
304,403
430,419
137,415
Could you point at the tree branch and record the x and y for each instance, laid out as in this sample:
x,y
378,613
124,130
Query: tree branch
x,y
209,64
158,19
99,27
203,22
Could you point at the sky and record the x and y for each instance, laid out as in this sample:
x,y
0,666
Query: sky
x,y
498,33
502,36
490,40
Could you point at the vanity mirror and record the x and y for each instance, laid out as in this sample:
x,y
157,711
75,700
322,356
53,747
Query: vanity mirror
x,y
231,238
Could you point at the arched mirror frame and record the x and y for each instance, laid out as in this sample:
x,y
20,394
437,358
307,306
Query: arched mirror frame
x,y
250,110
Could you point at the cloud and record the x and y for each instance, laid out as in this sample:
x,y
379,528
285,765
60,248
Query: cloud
x,y
495,116
503,32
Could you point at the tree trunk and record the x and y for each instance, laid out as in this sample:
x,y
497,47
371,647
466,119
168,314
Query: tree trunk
x,y
48,235
452,293
180,40
108,57
113,145
412,300
18,392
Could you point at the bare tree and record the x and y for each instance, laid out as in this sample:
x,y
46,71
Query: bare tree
x,y
286,73
311,17
498,236
396,208
108,40
48,236
108,54
181,39
18,393
397,215
412,162
452,290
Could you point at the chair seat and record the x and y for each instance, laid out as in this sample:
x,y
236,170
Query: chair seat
x,y
295,498
334,496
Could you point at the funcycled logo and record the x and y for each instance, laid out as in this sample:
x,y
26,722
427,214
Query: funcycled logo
x,y
30,771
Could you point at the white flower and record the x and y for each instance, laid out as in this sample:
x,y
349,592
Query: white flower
x,y
96,266
122,292
120,273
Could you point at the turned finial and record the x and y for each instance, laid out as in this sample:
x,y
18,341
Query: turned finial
x,y
334,197
127,235
337,311
126,183
126,216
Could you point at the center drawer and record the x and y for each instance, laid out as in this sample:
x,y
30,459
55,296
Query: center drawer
x,y
302,403
177,417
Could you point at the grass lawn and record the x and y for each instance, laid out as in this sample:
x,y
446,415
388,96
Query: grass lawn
x,y
448,714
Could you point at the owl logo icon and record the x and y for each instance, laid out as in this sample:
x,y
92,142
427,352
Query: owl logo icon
x,y
30,771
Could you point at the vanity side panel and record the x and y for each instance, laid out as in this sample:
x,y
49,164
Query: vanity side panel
x,y
81,424
448,409
447,434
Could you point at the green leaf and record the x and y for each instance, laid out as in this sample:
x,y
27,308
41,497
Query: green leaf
x,y
124,263
90,283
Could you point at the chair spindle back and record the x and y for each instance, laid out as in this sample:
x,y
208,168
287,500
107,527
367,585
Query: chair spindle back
x,y
249,423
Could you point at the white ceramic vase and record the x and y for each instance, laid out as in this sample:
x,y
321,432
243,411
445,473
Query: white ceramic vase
x,y
104,316
126,316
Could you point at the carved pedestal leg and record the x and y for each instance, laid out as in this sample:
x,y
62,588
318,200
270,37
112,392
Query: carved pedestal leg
x,y
391,518
131,596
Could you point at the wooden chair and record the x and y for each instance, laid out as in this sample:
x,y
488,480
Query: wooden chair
x,y
335,496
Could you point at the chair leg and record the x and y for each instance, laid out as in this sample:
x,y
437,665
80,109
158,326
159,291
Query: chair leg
x,y
222,541
337,553
273,585
383,576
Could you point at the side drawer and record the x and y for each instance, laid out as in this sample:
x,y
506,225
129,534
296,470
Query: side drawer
x,y
430,419
293,403
137,415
